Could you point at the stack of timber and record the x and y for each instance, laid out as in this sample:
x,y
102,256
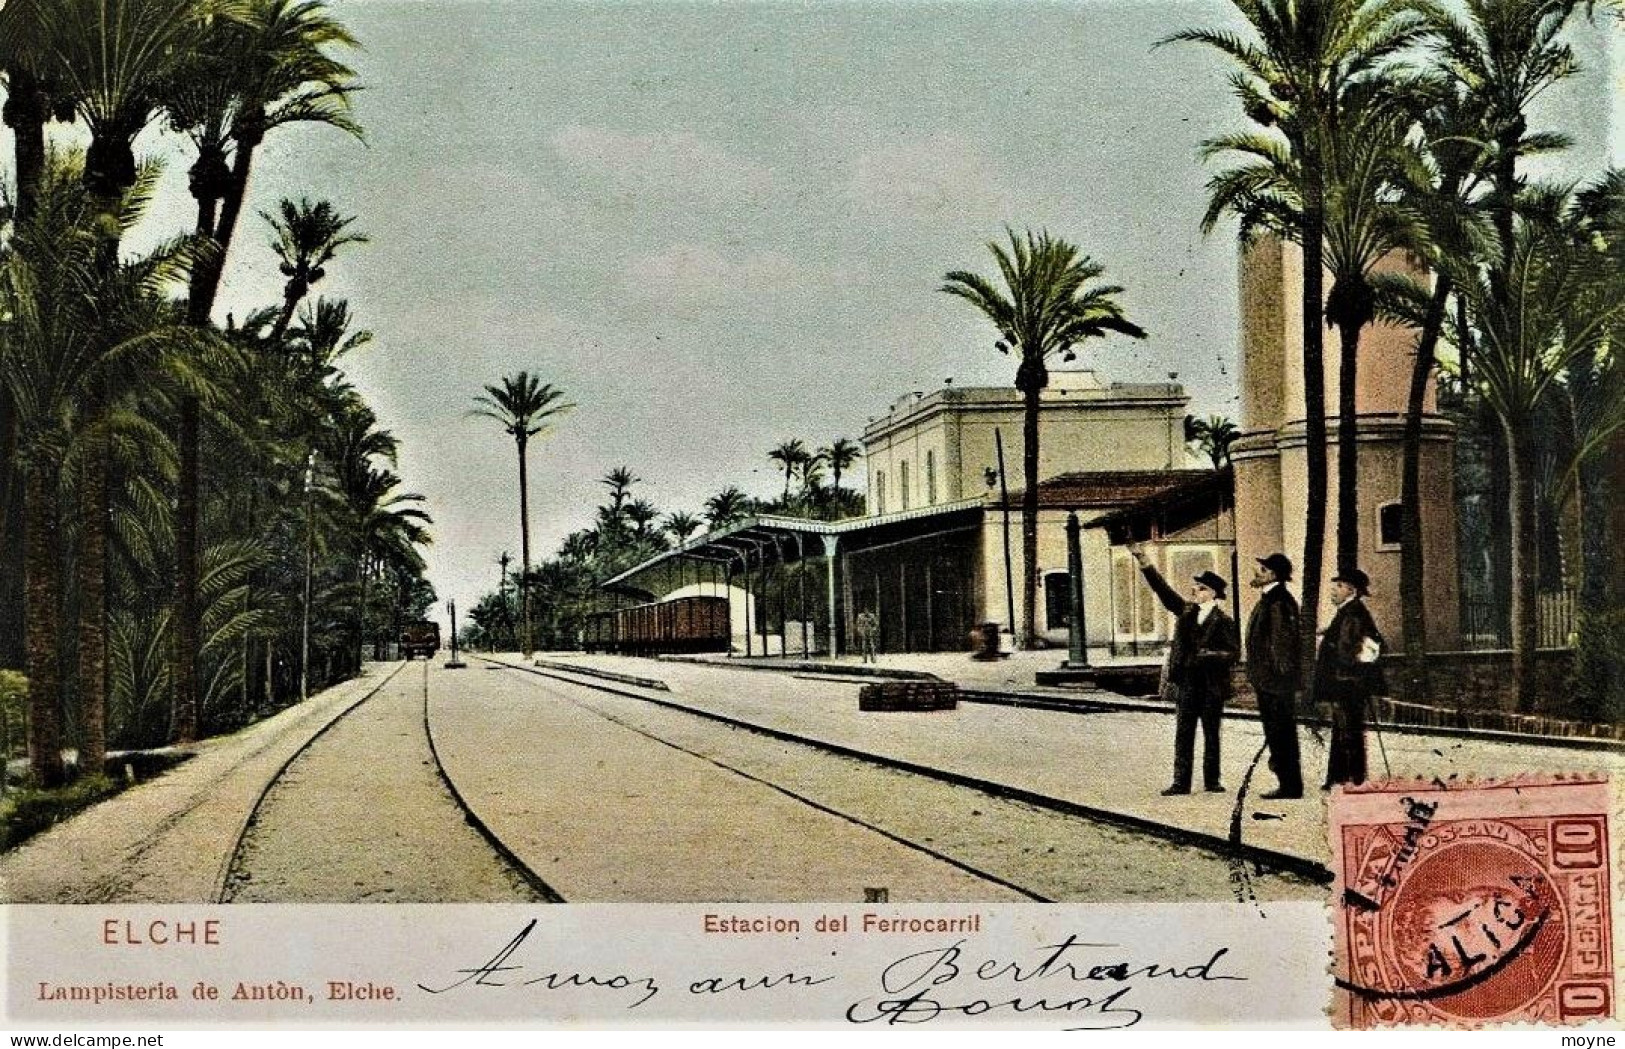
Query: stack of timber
x,y
908,695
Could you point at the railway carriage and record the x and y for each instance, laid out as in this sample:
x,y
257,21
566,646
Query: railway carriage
x,y
684,624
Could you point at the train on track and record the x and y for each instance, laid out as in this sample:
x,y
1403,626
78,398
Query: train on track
x,y
683,624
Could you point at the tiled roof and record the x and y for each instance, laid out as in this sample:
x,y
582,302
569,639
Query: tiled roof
x,y
1194,489
1103,489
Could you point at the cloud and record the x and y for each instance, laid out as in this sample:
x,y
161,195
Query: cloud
x,y
928,177
667,164
696,275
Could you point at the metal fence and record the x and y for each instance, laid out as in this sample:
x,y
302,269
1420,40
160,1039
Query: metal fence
x,y
1485,623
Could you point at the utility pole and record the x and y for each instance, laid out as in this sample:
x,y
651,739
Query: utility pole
x,y
310,562
1009,575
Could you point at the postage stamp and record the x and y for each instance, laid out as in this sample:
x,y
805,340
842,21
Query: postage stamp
x,y
1475,904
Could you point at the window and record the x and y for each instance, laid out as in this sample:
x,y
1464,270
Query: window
x,y
1134,606
931,478
880,491
1057,600
902,483
1390,526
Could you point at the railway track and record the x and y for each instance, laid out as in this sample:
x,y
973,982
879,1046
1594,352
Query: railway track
x,y
279,834
1260,859
325,830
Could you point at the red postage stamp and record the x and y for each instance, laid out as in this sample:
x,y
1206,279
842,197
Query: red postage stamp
x,y
1473,904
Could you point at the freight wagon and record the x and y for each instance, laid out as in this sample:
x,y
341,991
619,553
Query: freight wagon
x,y
684,624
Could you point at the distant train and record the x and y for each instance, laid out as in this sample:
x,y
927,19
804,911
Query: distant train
x,y
684,624
421,638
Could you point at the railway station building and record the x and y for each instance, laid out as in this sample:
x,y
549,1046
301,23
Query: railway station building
x,y
940,550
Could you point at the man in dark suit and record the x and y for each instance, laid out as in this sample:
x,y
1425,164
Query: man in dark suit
x,y
1345,665
1272,668
1204,646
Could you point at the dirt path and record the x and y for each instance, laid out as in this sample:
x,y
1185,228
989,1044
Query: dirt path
x,y
363,816
170,839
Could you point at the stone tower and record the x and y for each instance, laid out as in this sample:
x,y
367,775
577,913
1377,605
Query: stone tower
x,y
1270,455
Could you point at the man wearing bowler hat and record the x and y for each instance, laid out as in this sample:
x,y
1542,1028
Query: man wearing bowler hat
x,y
1272,669
1345,666
1204,647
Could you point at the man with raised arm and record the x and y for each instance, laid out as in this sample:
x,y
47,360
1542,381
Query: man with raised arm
x,y
1205,645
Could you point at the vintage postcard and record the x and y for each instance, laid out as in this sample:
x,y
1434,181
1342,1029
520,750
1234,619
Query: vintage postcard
x,y
1080,515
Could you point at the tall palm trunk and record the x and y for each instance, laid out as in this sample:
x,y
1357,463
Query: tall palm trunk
x,y
1029,514
205,284
1348,458
524,551
92,573
42,588
1597,536
11,524
1314,397
1412,583
219,196
1521,448
25,114
361,616
187,605
292,293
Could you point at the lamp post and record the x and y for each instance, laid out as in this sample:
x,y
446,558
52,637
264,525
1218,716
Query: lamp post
x,y
454,663
1004,499
1075,670
1077,655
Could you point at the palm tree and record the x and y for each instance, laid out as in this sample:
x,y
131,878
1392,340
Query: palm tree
x,y
619,481
680,525
642,514
264,67
1292,77
308,237
1438,181
113,58
271,66
1504,54
390,527
1045,310
789,455
522,404
841,454
1212,437
33,95
71,327
323,335
1554,303
727,507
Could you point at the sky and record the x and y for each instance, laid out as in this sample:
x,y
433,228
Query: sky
x,y
717,227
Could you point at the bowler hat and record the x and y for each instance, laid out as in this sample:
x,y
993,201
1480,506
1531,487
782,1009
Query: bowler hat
x,y
1212,581
1355,578
1280,564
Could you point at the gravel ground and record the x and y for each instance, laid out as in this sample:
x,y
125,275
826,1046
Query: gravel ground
x,y
169,840
1056,856
604,813
362,816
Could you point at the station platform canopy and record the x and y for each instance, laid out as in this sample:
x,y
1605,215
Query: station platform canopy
x,y
770,539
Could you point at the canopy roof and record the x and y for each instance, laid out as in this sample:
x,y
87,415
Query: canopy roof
x,y
779,538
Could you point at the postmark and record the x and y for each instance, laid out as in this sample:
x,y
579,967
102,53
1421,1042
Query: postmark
x,y
1469,904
